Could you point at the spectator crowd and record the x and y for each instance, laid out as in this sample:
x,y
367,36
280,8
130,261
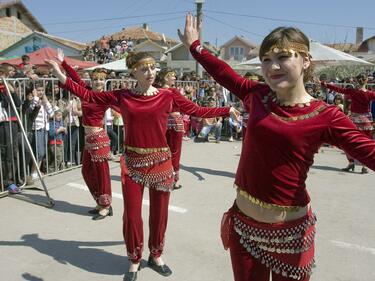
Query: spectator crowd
x,y
52,117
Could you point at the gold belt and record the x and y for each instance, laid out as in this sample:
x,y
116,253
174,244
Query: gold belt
x,y
266,205
141,150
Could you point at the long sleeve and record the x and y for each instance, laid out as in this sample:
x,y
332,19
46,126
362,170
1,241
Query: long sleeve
x,y
104,98
34,102
223,73
371,95
343,133
52,130
48,108
73,74
190,108
345,91
75,77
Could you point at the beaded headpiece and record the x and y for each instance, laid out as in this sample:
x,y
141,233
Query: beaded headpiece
x,y
147,62
289,48
99,73
170,73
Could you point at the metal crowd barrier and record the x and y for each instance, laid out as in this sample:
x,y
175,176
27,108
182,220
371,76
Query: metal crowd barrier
x,y
36,152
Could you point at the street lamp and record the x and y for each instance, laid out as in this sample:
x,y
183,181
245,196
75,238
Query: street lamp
x,y
199,4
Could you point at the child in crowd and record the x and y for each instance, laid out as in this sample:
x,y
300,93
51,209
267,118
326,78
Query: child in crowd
x,y
56,134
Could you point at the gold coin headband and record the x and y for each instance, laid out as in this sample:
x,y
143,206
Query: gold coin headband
x,y
148,62
171,73
99,75
290,48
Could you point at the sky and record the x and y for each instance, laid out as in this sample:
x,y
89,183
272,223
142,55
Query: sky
x,y
328,21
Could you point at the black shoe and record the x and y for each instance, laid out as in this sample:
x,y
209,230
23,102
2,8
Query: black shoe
x,y
93,211
364,170
161,269
99,216
132,276
176,186
349,168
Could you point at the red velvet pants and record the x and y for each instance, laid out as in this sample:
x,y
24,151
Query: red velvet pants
x,y
97,178
95,168
132,219
174,140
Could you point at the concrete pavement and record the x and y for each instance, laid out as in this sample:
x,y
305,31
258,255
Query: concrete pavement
x,y
63,243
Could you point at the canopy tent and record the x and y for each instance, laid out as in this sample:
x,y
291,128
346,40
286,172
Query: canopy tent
x,y
323,56
118,65
37,58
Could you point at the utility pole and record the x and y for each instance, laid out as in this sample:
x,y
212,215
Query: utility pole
x,y
198,68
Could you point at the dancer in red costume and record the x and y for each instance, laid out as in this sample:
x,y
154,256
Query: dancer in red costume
x,y
96,153
360,110
147,158
271,228
175,126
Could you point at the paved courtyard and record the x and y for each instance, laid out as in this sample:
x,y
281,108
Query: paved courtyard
x,y
63,243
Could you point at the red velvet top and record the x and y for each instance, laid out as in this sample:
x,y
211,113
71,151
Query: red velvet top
x,y
145,117
281,141
92,113
360,99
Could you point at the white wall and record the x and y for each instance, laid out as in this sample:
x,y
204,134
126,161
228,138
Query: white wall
x,y
35,42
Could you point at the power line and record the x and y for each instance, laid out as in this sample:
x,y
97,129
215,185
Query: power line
x,y
112,26
128,7
235,27
117,18
285,20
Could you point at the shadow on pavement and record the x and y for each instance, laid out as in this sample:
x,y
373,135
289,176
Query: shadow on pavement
x,y
326,168
195,171
28,276
115,178
60,206
80,254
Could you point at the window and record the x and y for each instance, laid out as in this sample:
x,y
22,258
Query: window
x,y
236,53
7,12
19,16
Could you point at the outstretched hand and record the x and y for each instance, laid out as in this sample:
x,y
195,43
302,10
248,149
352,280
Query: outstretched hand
x,y
56,71
60,55
54,65
235,113
191,32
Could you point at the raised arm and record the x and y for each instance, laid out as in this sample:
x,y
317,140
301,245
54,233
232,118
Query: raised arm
x,y
343,133
190,108
73,74
105,98
345,91
69,70
370,95
218,69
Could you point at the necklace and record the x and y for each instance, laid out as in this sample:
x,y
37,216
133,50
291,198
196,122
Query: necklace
x,y
272,96
148,93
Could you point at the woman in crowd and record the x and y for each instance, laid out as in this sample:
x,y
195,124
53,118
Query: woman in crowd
x,y
175,126
147,157
96,153
8,130
271,226
360,110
